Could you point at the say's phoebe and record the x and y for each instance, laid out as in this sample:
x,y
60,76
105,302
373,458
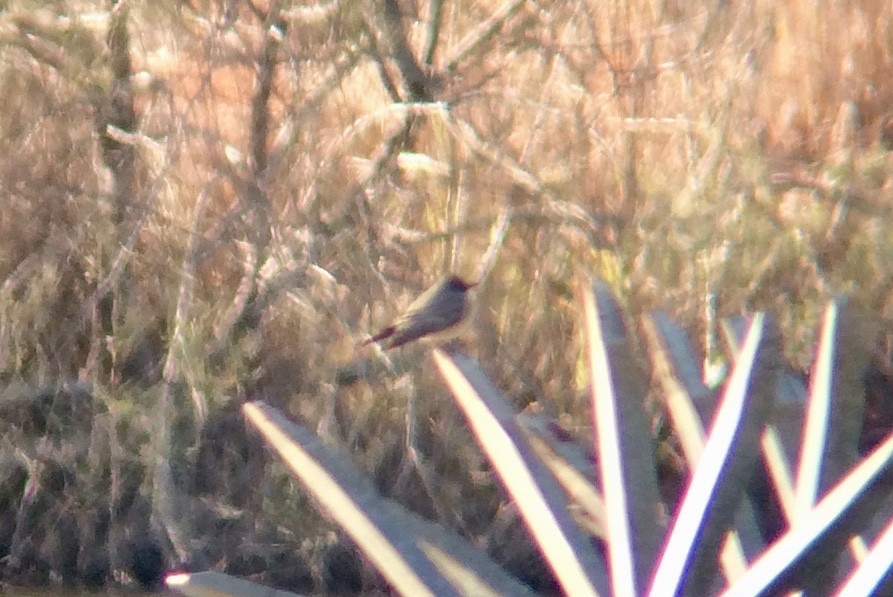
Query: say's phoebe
x,y
439,312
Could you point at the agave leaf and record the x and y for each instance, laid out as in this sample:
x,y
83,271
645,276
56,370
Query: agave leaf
x,y
836,400
624,444
778,441
676,368
790,391
722,474
543,506
872,575
845,510
832,414
416,557
833,423
778,469
216,584
687,400
573,469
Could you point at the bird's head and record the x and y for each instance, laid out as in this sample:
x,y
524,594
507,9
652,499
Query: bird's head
x,y
458,284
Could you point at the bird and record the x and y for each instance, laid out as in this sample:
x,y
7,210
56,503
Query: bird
x,y
439,314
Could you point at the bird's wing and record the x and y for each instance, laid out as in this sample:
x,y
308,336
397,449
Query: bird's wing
x,y
427,315
416,327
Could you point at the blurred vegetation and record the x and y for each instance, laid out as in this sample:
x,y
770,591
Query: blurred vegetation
x,y
212,201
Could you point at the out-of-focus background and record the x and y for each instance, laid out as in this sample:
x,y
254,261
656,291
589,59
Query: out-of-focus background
x,y
205,202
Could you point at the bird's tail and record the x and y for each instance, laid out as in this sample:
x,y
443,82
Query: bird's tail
x,y
388,331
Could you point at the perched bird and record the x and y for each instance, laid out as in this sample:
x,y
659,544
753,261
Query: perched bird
x,y
439,313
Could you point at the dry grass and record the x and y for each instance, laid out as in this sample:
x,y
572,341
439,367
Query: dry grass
x,y
683,152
